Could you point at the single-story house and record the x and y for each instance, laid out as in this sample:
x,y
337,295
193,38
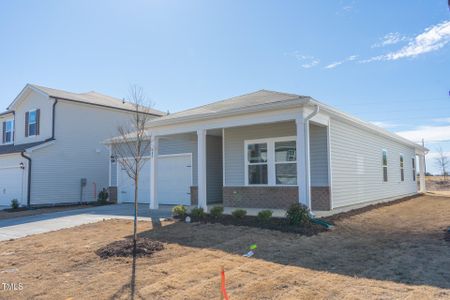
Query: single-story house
x,y
267,150
51,149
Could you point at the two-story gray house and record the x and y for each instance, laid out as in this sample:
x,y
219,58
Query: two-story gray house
x,y
51,147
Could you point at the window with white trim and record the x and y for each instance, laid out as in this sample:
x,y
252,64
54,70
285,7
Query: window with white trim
x,y
8,135
402,169
385,166
271,161
32,123
413,160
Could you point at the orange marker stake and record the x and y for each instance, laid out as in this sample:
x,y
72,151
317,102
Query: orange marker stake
x,y
223,289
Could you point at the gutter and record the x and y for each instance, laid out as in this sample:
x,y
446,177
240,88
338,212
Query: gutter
x,y
307,155
29,178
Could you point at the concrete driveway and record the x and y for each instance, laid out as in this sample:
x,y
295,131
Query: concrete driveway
x,y
23,226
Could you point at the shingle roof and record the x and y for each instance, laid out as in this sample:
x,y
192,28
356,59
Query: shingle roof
x,y
6,149
92,98
257,98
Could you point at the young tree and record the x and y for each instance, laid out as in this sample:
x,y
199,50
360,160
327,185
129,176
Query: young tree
x,y
133,143
443,162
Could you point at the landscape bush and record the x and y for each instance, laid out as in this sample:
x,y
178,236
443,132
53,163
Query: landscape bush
x,y
297,214
197,212
15,204
103,196
179,211
264,215
239,213
216,212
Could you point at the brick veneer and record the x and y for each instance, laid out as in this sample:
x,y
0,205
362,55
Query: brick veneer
x,y
194,195
320,198
259,197
112,192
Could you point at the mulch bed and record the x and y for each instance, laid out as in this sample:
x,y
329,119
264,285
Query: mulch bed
x,y
332,219
124,248
279,224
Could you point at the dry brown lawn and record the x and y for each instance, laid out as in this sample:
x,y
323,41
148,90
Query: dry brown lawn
x,y
393,252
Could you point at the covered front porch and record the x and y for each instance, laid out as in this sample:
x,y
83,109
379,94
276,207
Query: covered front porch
x,y
252,162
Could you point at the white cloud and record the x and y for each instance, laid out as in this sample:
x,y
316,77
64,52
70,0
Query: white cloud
x,y
307,61
429,133
390,39
433,38
340,62
385,124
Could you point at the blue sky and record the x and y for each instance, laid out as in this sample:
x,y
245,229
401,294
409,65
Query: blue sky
x,y
383,61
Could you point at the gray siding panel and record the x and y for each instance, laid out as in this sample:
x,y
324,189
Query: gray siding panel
x,y
114,174
214,174
234,146
318,155
357,170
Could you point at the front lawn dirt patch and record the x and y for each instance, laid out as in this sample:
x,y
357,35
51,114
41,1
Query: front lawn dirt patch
x,y
279,224
125,248
393,252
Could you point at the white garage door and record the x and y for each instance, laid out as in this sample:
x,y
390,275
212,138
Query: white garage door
x,y
174,179
11,182
126,185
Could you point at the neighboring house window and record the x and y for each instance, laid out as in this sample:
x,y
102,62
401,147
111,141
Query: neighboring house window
x,y
32,120
286,163
385,166
402,170
414,168
271,162
257,163
8,132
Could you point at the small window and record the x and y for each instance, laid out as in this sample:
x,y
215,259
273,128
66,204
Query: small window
x,y
385,166
402,170
286,163
9,132
32,123
257,163
413,160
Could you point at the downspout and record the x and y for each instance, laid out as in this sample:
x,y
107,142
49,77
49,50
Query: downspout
x,y
308,164
29,178
53,118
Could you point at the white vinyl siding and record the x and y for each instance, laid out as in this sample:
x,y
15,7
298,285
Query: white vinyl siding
x,y
318,155
357,166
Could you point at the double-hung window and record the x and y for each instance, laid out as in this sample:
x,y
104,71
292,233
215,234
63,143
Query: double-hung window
x,y
8,132
271,161
402,170
385,166
32,123
413,160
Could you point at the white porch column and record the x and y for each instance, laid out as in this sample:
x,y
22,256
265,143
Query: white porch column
x,y
303,161
201,168
153,173
422,185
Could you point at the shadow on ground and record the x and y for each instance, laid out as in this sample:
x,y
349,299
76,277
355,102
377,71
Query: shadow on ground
x,y
403,243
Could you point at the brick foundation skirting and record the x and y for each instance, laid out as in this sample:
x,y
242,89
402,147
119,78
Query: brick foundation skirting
x,y
260,197
320,198
194,195
112,193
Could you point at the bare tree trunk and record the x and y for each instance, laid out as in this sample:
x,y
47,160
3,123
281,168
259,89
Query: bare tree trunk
x,y
136,183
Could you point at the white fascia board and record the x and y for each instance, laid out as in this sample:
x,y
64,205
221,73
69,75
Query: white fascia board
x,y
367,126
270,116
29,150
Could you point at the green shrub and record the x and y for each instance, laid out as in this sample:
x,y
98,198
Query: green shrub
x,y
103,196
216,211
264,215
198,213
179,211
297,214
14,204
239,213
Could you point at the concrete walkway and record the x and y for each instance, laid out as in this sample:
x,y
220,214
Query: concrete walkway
x,y
29,225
